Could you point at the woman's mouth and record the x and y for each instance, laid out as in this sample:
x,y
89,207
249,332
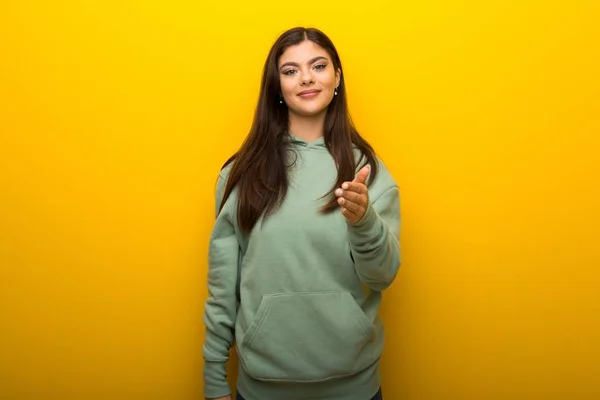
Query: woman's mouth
x,y
307,94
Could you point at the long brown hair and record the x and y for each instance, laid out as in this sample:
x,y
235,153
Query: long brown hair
x,y
259,169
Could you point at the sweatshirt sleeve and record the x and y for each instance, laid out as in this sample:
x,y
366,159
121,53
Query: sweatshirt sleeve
x,y
221,304
374,240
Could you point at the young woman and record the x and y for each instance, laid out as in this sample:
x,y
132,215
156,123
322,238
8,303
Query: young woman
x,y
305,240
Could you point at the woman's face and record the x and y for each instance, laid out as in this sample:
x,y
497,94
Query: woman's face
x,y
308,78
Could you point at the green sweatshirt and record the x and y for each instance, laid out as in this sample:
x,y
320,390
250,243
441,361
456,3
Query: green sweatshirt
x,y
300,295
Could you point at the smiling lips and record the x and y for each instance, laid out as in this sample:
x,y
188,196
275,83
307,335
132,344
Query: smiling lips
x,y
309,93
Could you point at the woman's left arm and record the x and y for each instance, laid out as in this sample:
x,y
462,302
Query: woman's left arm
x,y
373,231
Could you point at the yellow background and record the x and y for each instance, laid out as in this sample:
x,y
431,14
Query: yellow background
x,y
116,116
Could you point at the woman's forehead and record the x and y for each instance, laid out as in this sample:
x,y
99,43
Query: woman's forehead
x,y
303,53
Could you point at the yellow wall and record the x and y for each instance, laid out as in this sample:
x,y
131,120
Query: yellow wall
x,y
116,116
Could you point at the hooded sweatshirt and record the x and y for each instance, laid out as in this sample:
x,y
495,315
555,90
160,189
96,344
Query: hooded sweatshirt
x,y
299,296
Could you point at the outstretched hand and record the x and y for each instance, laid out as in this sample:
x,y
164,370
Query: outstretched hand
x,y
353,197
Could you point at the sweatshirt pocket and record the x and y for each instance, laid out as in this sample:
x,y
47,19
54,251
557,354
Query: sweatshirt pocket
x,y
307,337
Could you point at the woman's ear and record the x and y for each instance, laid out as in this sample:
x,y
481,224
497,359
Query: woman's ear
x,y
338,76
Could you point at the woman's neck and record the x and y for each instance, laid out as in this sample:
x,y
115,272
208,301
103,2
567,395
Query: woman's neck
x,y
307,128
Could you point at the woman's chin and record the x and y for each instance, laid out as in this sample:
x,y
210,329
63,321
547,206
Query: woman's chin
x,y
309,111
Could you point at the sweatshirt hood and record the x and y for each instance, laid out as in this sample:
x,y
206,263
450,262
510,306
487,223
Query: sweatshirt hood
x,y
301,143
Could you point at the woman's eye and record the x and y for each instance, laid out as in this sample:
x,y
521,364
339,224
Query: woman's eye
x,y
320,67
289,72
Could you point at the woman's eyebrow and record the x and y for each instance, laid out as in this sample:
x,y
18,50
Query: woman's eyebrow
x,y
293,64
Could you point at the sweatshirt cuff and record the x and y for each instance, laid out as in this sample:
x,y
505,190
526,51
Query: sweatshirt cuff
x,y
215,382
365,229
